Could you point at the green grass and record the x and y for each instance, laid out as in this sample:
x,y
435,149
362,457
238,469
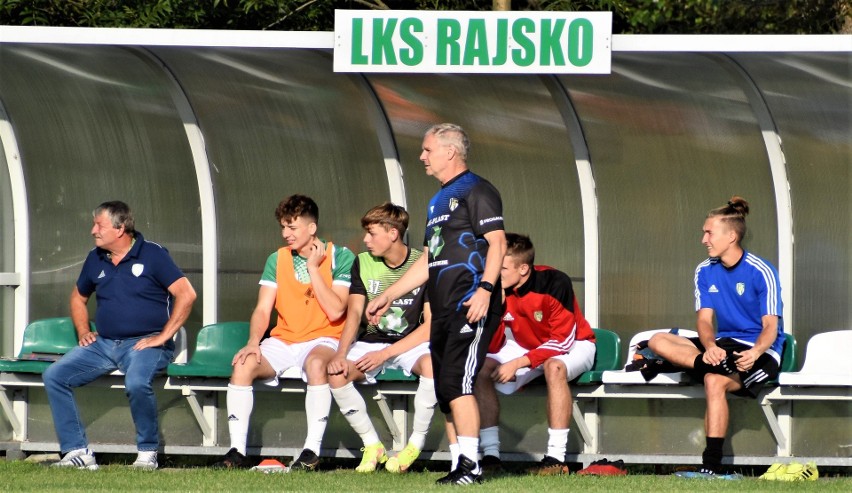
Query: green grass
x,y
28,476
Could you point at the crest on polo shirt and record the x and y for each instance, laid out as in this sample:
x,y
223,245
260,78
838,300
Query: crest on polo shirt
x,y
137,269
740,288
454,202
538,315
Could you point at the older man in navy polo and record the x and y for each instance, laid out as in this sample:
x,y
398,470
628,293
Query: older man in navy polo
x,y
143,299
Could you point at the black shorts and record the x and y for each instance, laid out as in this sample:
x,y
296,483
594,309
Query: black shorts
x,y
458,352
763,370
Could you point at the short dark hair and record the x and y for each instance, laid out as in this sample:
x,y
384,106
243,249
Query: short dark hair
x,y
296,206
733,215
521,248
388,215
119,214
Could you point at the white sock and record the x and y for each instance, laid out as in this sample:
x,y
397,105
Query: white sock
x,y
454,456
317,407
489,438
557,443
354,409
240,399
424,408
469,447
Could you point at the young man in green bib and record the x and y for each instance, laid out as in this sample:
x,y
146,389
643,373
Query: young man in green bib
x,y
399,340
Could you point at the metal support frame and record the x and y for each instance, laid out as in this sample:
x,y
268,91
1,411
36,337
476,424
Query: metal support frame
x,y
777,407
8,405
588,424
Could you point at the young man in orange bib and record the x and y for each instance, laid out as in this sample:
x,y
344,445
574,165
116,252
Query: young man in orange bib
x,y
307,282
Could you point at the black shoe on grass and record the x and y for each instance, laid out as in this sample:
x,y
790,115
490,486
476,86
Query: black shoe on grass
x,y
233,460
307,461
463,473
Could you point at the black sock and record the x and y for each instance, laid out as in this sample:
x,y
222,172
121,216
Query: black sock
x,y
712,457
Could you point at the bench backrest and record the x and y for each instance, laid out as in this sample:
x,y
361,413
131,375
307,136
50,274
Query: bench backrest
x,y
789,356
215,348
50,335
828,353
608,350
647,334
607,357
218,343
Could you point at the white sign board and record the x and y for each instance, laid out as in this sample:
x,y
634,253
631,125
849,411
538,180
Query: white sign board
x,y
405,41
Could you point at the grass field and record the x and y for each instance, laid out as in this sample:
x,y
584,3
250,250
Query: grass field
x,y
114,476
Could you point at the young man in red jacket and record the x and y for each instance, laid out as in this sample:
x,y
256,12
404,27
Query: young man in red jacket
x,y
543,332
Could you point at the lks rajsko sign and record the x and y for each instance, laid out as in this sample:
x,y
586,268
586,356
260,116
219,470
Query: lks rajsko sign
x,y
405,41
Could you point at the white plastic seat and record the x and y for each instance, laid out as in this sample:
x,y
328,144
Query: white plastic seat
x,y
827,362
622,377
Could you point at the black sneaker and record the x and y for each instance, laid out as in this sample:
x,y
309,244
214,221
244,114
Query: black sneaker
x,y
463,473
233,460
491,465
307,461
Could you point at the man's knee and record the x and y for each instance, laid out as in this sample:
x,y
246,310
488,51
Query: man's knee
x,y
446,393
555,370
316,366
244,371
337,381
488,367
490,363
659,340
716,385
483,378
137,384
424,366
56,376
50,375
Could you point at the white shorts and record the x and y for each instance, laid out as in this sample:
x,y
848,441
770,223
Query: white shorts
x,y
283,356
404,361
579,360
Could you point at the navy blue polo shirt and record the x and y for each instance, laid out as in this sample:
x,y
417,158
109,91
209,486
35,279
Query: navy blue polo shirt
x,y
133,297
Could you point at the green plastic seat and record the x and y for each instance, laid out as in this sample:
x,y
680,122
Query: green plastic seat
x,y
395,375
607,357
790,356
214,350
49,336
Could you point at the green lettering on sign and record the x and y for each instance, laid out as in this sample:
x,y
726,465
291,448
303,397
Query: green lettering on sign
x,y
525,55
412,55
449,32
476,44
383,42
502,42
358,58
580,42
550,42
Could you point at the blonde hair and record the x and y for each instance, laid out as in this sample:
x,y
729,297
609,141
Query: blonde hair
x,y
388,215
